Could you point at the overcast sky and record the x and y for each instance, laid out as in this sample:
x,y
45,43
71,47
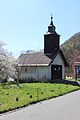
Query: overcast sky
x,y
24,22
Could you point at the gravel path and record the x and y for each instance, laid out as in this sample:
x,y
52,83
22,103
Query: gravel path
x,y
66,107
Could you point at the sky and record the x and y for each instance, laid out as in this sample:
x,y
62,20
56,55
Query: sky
x,y
23,23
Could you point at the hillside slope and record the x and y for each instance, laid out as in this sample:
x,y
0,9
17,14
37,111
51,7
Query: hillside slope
x,y
71,47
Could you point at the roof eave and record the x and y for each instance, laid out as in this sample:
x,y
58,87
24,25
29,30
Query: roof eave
x,y
33,65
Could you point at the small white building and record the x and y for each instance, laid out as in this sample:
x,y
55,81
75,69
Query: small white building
x,y
44,66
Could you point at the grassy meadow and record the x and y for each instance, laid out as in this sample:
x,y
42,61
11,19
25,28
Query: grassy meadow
x,y
13,96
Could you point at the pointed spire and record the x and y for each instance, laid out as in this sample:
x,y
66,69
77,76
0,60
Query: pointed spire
x,y
51,27
51,17
51,20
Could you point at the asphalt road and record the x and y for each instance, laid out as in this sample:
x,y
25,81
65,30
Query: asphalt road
x,y
66,107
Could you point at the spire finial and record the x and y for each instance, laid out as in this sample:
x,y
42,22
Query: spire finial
x,y
51,20
51,17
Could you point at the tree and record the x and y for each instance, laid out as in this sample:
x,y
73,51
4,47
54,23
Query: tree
x,y
17,72
7,64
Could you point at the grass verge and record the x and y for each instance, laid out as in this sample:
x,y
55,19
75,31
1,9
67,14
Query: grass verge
x,y
13,97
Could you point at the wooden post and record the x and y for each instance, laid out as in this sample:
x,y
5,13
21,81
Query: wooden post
x,y
37,94
18,79
61,89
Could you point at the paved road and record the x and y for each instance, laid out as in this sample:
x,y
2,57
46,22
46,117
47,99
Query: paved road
x,y
66,107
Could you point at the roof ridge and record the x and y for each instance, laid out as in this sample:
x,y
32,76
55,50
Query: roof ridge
x,y
32,52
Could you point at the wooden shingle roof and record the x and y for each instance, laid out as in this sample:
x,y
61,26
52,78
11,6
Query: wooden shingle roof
x,y
34,59
39,59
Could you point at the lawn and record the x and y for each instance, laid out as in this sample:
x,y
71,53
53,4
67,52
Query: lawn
x,y
12,96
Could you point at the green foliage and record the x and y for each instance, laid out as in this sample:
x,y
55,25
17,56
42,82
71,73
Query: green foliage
x,y
12,96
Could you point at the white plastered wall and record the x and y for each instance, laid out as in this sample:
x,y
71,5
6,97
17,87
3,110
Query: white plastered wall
x,y
36,73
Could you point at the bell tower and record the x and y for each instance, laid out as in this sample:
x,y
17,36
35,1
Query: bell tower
x,y
51,40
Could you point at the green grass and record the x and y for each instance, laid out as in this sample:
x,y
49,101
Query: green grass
x,y
12,96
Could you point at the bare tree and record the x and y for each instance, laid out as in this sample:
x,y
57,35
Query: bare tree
x,y
17,73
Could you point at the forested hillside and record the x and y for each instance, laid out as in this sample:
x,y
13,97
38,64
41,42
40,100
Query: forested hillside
x,y
71,47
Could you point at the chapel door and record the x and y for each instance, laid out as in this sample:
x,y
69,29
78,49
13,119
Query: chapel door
x,y
56,72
